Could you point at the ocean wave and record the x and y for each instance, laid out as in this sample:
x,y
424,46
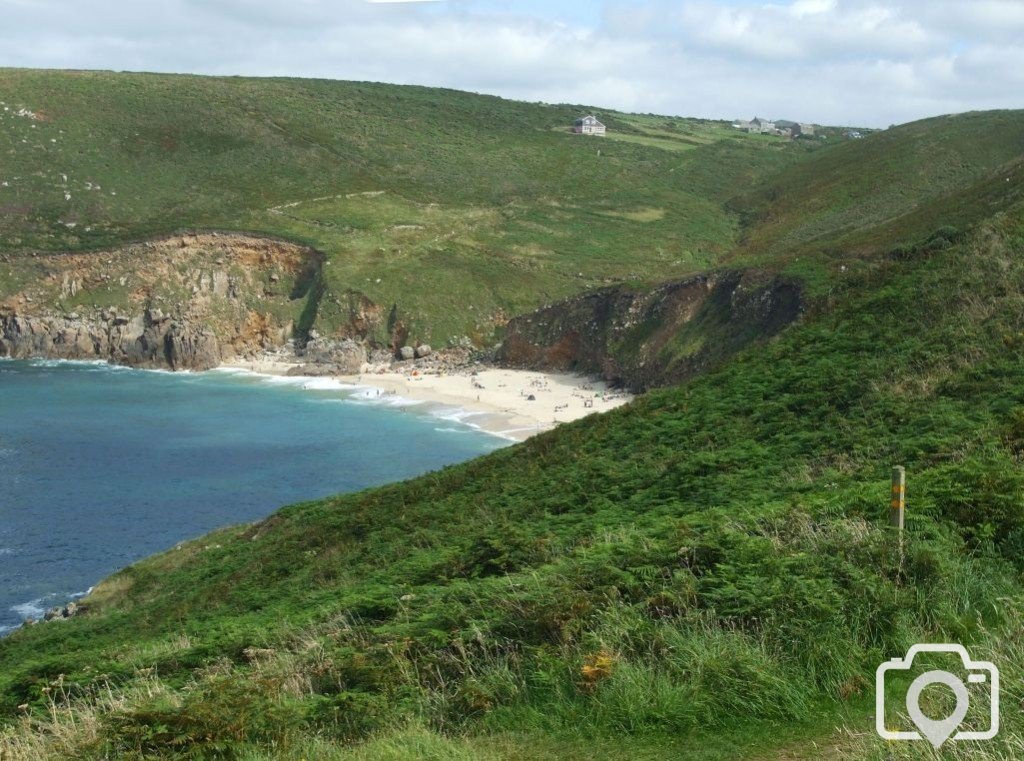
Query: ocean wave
x,y
33,608
307,382
37,608
84,365
458,414
237,371
368,395
374,395
61,362
325,384
102,365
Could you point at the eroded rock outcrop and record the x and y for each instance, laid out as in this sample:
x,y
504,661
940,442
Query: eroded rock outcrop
x,y
648,338
183,302
64,612
143,340
191,347
345,355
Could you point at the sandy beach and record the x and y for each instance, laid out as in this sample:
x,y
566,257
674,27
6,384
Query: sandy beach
x,y
513,404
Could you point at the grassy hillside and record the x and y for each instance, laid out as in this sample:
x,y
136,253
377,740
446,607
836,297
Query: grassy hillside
x,y
462,210
893,189
841,213
712,551
459,208
706,573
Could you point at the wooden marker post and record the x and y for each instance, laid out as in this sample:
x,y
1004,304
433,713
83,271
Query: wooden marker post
x,y
897,512
897,508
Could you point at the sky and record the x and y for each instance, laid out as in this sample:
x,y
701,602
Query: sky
x,y
852,62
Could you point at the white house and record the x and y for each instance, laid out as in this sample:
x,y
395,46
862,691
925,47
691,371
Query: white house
x,y
589,125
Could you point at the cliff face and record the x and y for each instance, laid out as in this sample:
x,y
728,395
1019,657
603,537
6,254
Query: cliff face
x,y
180,303
648,338
190,301
149,340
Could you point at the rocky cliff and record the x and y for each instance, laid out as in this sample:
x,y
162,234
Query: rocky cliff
x,y
182,303
644,338
149,340
187,302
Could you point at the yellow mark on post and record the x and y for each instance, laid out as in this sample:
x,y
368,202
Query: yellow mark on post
x,y
898,503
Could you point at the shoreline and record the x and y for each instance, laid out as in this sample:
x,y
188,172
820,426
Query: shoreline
x,y
511,404
493,400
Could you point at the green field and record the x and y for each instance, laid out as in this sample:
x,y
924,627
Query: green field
x,y
705,573
460,209
863,198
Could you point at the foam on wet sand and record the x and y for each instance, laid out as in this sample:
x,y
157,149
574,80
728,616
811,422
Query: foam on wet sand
x,y
513,404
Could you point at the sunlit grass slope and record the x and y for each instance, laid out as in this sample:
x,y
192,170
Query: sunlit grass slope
x,y
458,208
712,558
891,190
705,573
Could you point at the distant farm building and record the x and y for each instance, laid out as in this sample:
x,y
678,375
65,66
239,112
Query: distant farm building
x,y
589,125
757,125
784,127
794,129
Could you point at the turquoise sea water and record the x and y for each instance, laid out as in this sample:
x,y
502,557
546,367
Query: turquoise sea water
x,y
101,466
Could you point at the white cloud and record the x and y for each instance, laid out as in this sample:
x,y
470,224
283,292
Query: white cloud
x,y
801,8
809,31
865,62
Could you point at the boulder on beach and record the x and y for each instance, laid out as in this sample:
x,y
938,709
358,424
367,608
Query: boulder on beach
x,y
407,353
346,355
314,371
423,350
